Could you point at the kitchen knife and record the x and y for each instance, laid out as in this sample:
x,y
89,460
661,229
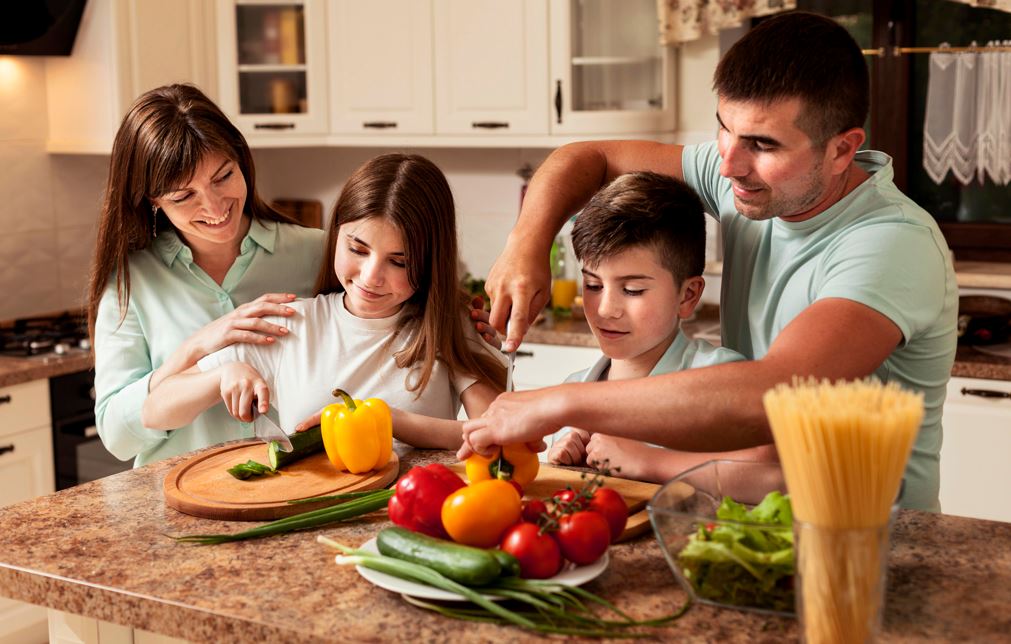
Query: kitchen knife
x,y
512,363
266,428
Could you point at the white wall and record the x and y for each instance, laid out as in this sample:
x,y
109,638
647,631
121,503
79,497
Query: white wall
x,y
50,203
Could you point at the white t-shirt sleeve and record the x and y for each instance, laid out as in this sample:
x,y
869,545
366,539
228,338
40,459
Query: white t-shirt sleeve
x,y
265,358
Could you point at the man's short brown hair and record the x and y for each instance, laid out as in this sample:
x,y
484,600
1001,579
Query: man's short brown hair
x,y
644,209
800,55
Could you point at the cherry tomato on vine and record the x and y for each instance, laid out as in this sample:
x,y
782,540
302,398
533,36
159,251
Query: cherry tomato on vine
x,y
610,504
583,536
567,495
539,554
533,509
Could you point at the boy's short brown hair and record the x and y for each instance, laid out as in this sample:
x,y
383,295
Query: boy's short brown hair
x,y
644,209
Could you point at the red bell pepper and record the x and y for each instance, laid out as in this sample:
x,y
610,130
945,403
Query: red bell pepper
x,y
417,503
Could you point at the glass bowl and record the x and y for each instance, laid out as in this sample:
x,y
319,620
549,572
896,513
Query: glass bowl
x,y
683,511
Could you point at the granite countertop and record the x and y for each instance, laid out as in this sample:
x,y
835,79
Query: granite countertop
x,y
100,550
14,371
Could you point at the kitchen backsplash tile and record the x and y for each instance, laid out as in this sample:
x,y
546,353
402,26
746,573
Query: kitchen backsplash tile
x,y
78,187
29,274
27,204
74,245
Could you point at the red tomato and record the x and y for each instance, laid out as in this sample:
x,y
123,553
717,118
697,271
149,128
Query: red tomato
x,y
519,488
583,536
538,553
533,509
610,504
565,496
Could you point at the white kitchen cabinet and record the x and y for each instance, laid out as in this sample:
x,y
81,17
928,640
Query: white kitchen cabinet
x,y
380,57
67,628
491,67
26,471
272,67
124,48
975,477
609,74
543,365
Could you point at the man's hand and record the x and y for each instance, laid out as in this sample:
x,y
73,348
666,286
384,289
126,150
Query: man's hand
x,y
570,449
518,417
519,285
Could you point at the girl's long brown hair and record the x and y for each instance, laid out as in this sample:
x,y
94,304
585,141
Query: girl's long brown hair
x,y
411,192
162,140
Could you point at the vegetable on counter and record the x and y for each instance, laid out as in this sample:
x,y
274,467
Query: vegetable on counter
x,y
480,513
417,505
512,462
357,435
540,606
359,505
465,564
305,443
744,565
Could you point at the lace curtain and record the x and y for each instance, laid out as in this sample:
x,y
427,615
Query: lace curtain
x,y
967,128
684,20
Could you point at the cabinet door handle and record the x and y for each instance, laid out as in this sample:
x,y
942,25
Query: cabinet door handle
x,y
6,448
490,125
379,125
274,126
985,393
558,99
524,354
4,400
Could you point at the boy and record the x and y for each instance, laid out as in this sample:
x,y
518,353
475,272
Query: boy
x,y
641,240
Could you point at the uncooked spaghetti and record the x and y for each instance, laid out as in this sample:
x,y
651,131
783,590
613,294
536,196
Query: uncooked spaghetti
x,y
843,448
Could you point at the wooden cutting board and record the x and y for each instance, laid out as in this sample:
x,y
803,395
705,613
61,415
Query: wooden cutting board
x,y
201,486
550,479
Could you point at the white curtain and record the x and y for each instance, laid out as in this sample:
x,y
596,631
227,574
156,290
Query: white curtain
x,y
684,20
967,128
1000,5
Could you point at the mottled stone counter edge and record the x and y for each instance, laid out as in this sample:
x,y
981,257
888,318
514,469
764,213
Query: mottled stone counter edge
x,y
14,371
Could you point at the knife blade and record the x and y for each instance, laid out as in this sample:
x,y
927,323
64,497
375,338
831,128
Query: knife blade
x,y
266,428
512,363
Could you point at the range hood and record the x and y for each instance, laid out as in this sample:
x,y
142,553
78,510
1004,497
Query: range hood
x,y
39,27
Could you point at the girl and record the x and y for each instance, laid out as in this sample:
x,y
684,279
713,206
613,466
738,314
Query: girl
x,y
388,321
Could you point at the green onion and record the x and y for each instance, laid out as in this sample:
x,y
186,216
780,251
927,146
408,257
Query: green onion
x,y
335,497
547,607
363,504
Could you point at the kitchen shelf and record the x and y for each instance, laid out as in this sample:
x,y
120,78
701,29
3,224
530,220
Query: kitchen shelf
x,y
581,61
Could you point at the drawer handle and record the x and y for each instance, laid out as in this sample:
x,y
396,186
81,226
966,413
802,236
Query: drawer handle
x,y
4,400
985,393
524,354
490,125
274,126
379,125
6,448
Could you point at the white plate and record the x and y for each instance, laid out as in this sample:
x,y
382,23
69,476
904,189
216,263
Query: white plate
x,y
573,576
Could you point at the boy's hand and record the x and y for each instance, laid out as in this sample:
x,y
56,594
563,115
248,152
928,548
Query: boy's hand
x,y
627,458
570,449
244,391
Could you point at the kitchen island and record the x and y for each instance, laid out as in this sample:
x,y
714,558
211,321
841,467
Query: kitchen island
x,y
101,550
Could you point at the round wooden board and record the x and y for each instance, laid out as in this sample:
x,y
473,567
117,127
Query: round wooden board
x,y
201,486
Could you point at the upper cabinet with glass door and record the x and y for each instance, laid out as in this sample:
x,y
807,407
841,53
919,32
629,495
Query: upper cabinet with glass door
x,y
609,74
273,66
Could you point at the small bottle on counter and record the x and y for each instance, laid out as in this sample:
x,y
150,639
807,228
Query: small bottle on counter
x,y
563,284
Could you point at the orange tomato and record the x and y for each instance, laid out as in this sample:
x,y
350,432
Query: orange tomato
x,y
479,514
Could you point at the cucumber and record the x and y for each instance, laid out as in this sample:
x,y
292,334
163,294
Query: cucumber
x,y
465,564
304,444
510,564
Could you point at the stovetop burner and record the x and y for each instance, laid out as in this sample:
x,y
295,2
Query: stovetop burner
x,y
60,334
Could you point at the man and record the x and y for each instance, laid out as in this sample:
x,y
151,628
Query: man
x,y
829,270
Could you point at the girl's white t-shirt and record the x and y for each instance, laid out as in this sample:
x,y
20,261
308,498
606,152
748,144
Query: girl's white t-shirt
x,y
327,347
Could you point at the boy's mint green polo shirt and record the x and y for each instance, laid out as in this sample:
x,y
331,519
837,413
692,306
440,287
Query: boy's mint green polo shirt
x,y
170,299
876,247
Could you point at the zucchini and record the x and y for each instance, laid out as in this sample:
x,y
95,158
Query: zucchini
x,y
465,564
304,444
250,469
510,564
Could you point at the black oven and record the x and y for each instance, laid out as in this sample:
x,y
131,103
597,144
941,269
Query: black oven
x,y
78,452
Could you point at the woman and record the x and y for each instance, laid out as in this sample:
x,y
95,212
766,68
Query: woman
x,y
186,249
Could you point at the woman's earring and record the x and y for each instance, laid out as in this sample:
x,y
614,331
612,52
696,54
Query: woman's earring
x,y
154,220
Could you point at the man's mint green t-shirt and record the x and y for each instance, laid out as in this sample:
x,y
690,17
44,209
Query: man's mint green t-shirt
x,y
875,246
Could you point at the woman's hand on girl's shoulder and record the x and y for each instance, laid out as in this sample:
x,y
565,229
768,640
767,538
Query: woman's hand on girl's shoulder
x,y
244,391
243,325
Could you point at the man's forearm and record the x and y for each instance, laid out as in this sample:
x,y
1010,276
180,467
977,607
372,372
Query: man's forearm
x,y
712,409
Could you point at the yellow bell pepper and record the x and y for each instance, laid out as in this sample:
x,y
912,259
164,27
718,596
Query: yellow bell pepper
x,y
357,435
517,462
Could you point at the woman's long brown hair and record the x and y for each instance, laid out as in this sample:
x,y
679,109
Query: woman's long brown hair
x,y
412,193
162,140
